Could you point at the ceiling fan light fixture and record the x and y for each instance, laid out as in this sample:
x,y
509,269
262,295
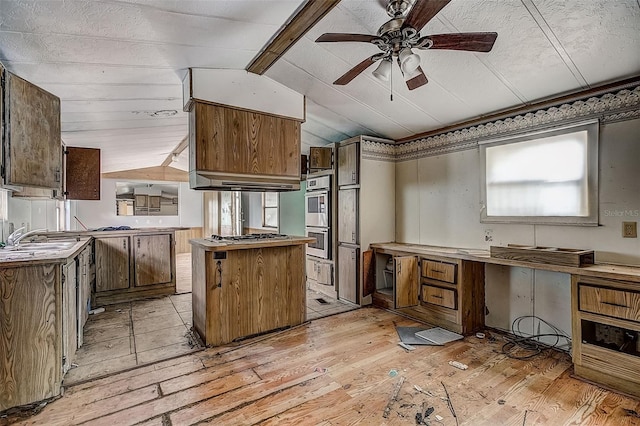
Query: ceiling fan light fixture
x,y
409,61
411,74
383,71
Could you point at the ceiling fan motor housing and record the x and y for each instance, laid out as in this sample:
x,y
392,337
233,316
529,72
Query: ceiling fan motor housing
x,y
399,8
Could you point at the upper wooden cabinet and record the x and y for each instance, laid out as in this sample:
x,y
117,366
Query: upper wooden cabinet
x,y
82,173
235,143
348,162
31,144
320,158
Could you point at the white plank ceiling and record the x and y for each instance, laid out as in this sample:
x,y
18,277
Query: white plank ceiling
x,y
117,65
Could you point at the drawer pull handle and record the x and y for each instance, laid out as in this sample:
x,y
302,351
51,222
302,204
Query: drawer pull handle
x,y
438,270
615,304
437,297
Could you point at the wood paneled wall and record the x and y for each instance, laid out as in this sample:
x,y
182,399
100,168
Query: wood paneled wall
x,y
183,237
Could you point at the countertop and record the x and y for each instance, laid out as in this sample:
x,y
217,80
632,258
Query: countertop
x,y
243,245
11,258
95,233
601,270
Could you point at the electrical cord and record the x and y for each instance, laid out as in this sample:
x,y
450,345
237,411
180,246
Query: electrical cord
x,y
530,344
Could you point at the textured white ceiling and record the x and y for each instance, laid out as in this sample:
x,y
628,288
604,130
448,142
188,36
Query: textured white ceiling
x,y
117,65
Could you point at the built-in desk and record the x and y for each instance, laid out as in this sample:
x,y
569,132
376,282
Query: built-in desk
x,y
444,286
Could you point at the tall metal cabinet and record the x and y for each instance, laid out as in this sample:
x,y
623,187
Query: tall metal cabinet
x,y
365,212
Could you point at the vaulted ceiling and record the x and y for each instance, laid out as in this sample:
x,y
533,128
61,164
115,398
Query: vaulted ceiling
x,y
117,65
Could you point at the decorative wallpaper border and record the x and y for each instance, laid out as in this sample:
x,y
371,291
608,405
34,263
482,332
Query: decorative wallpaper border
x,y
610,107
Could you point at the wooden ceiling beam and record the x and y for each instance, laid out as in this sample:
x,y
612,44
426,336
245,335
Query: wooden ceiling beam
x,y
296,27
184,143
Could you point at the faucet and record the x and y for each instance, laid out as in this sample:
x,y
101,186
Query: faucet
x,y
17,236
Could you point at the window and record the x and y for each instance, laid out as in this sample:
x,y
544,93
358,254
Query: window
x,y
544,178
269,209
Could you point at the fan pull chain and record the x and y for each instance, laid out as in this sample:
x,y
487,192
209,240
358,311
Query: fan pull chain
x,y
391,82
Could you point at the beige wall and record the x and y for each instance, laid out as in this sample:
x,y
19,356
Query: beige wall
x,y
438,203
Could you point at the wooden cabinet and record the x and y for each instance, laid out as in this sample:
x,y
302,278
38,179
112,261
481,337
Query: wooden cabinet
x,y
69,314
348,216
320,158
85,278
134,266
39,329
439,290
348,267
406,291
348,164
31,144
112,263
154,203
82,173
606,332
152,259
320,271
365,209
231,140
245,292
30,326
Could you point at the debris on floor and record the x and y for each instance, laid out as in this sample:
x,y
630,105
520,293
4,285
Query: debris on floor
x,y
394,397
439,336
393,373
408,348
96,311
407,336
459,365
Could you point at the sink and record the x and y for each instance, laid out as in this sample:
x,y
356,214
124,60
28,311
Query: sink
x,y
44,246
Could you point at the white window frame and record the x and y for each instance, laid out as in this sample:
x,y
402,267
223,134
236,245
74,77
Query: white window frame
x,y
264,211
591,219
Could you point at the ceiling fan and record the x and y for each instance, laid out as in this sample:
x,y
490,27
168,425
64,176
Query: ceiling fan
x,y
399,35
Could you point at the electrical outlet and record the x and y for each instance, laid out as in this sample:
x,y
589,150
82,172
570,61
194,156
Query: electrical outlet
x,y
630,229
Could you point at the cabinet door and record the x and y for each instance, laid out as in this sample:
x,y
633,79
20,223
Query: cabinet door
x,y
348,273
348,173
112,263
229,140
32,144
84,291
348,216
69,315
82,173
406,286
320,158
152,259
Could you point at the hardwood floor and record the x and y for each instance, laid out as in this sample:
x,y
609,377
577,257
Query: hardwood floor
x,y
342,370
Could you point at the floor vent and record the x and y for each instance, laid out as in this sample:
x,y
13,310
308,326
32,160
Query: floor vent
x,y
321,301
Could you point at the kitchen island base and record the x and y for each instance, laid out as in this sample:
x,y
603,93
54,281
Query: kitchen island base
x,y
242,292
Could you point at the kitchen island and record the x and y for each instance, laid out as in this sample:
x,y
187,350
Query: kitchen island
x,y
247,287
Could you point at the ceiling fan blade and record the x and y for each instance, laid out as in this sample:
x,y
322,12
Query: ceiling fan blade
x,y
418,80
355,71
328,37
474,42
423,11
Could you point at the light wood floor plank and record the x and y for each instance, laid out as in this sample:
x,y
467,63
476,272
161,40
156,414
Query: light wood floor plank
x,y
341,370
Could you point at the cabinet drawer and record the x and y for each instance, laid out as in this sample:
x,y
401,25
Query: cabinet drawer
x,y
439,296
615,303
439,270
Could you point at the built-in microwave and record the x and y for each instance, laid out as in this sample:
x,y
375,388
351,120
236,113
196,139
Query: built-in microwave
x,y
322,246
317,208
